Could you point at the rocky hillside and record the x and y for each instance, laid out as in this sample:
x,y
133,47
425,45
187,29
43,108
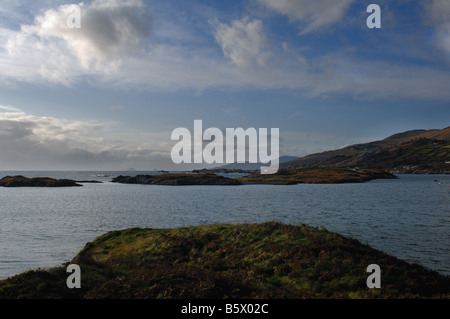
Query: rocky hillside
x,y
418,151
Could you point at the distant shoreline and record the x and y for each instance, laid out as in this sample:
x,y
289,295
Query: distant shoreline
x,y
324,175
283,177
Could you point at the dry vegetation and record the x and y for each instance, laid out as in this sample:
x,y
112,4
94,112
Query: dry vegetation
x,y
269,260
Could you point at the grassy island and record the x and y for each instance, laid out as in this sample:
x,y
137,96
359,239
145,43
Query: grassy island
x,y
286,176
177,179
21,181
269,260
317,175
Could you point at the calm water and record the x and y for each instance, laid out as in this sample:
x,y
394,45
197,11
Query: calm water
x,y
44,227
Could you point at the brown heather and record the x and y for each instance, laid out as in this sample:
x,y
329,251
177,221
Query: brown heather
x,y
269,260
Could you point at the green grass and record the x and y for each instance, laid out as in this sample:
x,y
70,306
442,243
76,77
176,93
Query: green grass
x,y
269,260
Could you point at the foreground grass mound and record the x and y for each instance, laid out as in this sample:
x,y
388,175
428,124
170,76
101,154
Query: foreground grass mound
x,y
269,260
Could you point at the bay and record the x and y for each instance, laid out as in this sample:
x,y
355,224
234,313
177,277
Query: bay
x,y
408,217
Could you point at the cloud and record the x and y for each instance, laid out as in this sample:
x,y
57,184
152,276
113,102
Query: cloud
x,y
375,80
313,14
437,14
243,42
44,130
110,29
9,109
115,54
38,142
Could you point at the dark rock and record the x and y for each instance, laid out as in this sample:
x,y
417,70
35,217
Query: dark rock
x,y
21,181
177,179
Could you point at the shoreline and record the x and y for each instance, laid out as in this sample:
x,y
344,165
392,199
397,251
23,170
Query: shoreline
x,y
318,175
423,178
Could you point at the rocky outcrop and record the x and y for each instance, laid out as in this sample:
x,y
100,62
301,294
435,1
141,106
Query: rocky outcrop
x,y
176,179
317,175
22,181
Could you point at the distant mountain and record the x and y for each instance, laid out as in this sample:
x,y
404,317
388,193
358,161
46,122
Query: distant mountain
x,y
254,166
417,151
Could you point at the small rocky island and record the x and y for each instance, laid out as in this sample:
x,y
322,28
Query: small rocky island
x,y
22,181
177,179
321,175
317,175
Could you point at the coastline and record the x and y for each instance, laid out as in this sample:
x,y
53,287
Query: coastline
x,y
316,175
216,190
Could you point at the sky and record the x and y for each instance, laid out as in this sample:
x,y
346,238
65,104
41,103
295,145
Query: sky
x,y
107,95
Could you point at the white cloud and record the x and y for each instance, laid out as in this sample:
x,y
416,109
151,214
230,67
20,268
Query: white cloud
x,y
110,29
314,14
38,142
244,42
9,109
47,129
41,56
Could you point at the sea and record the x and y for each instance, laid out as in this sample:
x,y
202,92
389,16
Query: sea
x,y
407,217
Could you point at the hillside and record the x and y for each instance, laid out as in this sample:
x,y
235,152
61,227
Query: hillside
x,y
252,166
269,260
417,151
